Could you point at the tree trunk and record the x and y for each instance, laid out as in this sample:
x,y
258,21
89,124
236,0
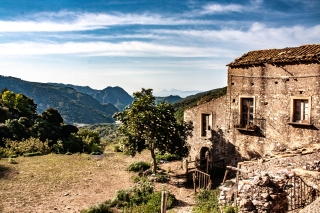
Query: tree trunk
x,y
154,162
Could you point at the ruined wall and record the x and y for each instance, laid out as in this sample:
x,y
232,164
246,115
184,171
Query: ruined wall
x,y
271,87
269,185
216,141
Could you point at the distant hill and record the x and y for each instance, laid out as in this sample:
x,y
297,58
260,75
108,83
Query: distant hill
x,y
74,106
110,95
170,99
175,92
197,99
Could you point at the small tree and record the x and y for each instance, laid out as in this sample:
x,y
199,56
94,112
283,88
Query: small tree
x,y
146,125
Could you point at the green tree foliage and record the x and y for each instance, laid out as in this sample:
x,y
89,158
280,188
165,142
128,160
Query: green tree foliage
x,y
146,125
18,105
52,116
16,129
90,139
20,122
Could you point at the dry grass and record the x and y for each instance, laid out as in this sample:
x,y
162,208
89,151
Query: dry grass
x,y
61,183
69,183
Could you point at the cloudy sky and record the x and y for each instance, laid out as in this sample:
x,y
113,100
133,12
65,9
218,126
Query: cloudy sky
x,y
159,44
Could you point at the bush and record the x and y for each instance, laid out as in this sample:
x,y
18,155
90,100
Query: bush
x,y
230,209
72,144
167,157
32,154
153,205
116,148
12,161
99,208
139,166
207,201
31,145
161,178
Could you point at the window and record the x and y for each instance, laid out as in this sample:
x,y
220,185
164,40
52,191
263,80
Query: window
x,y
300,110
205,124
246,111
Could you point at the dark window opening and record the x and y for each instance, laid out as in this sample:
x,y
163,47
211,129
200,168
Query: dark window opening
x,y
246,115
205,124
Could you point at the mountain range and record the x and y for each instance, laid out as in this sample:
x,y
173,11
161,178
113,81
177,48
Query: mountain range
x,y
73,105
175,92
76,104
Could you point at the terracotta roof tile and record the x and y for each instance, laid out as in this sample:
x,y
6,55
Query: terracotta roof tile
x,y
310,52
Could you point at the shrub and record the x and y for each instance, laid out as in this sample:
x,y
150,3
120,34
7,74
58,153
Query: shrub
x,y
161,178
104,207
153,205
167,157
32,154
31,145
116,148
139,166
12,161
230,209
207,201
72,144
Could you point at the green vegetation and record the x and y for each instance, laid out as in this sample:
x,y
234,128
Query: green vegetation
x,y
107,132
104,207
168,157
140,198
146,125
207,202
139,166
24,132
169,99
194,100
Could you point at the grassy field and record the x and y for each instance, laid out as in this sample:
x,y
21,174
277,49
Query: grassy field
x,y
62,183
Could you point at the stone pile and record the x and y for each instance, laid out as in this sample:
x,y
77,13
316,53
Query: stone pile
x,y
259,193
312,166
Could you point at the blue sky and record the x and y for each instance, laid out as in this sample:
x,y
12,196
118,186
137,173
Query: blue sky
x,y
181,44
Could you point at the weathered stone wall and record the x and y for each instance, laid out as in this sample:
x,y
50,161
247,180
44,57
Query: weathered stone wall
x,y
272,87
267,186
216,140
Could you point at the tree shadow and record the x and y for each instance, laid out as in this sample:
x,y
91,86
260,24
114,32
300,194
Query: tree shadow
x,y
6,172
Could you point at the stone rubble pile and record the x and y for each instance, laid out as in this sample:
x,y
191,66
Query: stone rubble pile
x,y
259,193
312,166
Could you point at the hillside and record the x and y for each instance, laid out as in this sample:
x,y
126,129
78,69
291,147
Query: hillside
x,y
169,99
194,100
110,95
74,106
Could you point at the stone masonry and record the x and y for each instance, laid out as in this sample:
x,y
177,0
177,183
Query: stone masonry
x,y
272,104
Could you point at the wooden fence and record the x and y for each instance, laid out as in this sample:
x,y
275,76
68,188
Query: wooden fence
x,y
201,180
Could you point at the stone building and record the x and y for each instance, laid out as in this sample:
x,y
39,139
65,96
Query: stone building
x,y
272,104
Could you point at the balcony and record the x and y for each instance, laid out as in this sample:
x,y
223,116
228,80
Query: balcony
x,y
248,122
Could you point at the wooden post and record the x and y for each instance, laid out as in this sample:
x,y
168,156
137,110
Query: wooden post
x,y
163,202
194,182
186,166
207,169
225,176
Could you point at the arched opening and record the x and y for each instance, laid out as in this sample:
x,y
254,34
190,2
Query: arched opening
x,y
204,159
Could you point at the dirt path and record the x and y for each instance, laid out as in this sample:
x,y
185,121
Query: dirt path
x,y
60,183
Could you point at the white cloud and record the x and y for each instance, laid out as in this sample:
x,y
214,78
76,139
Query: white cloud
x,y
133,48
256,37
219,8
68,21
